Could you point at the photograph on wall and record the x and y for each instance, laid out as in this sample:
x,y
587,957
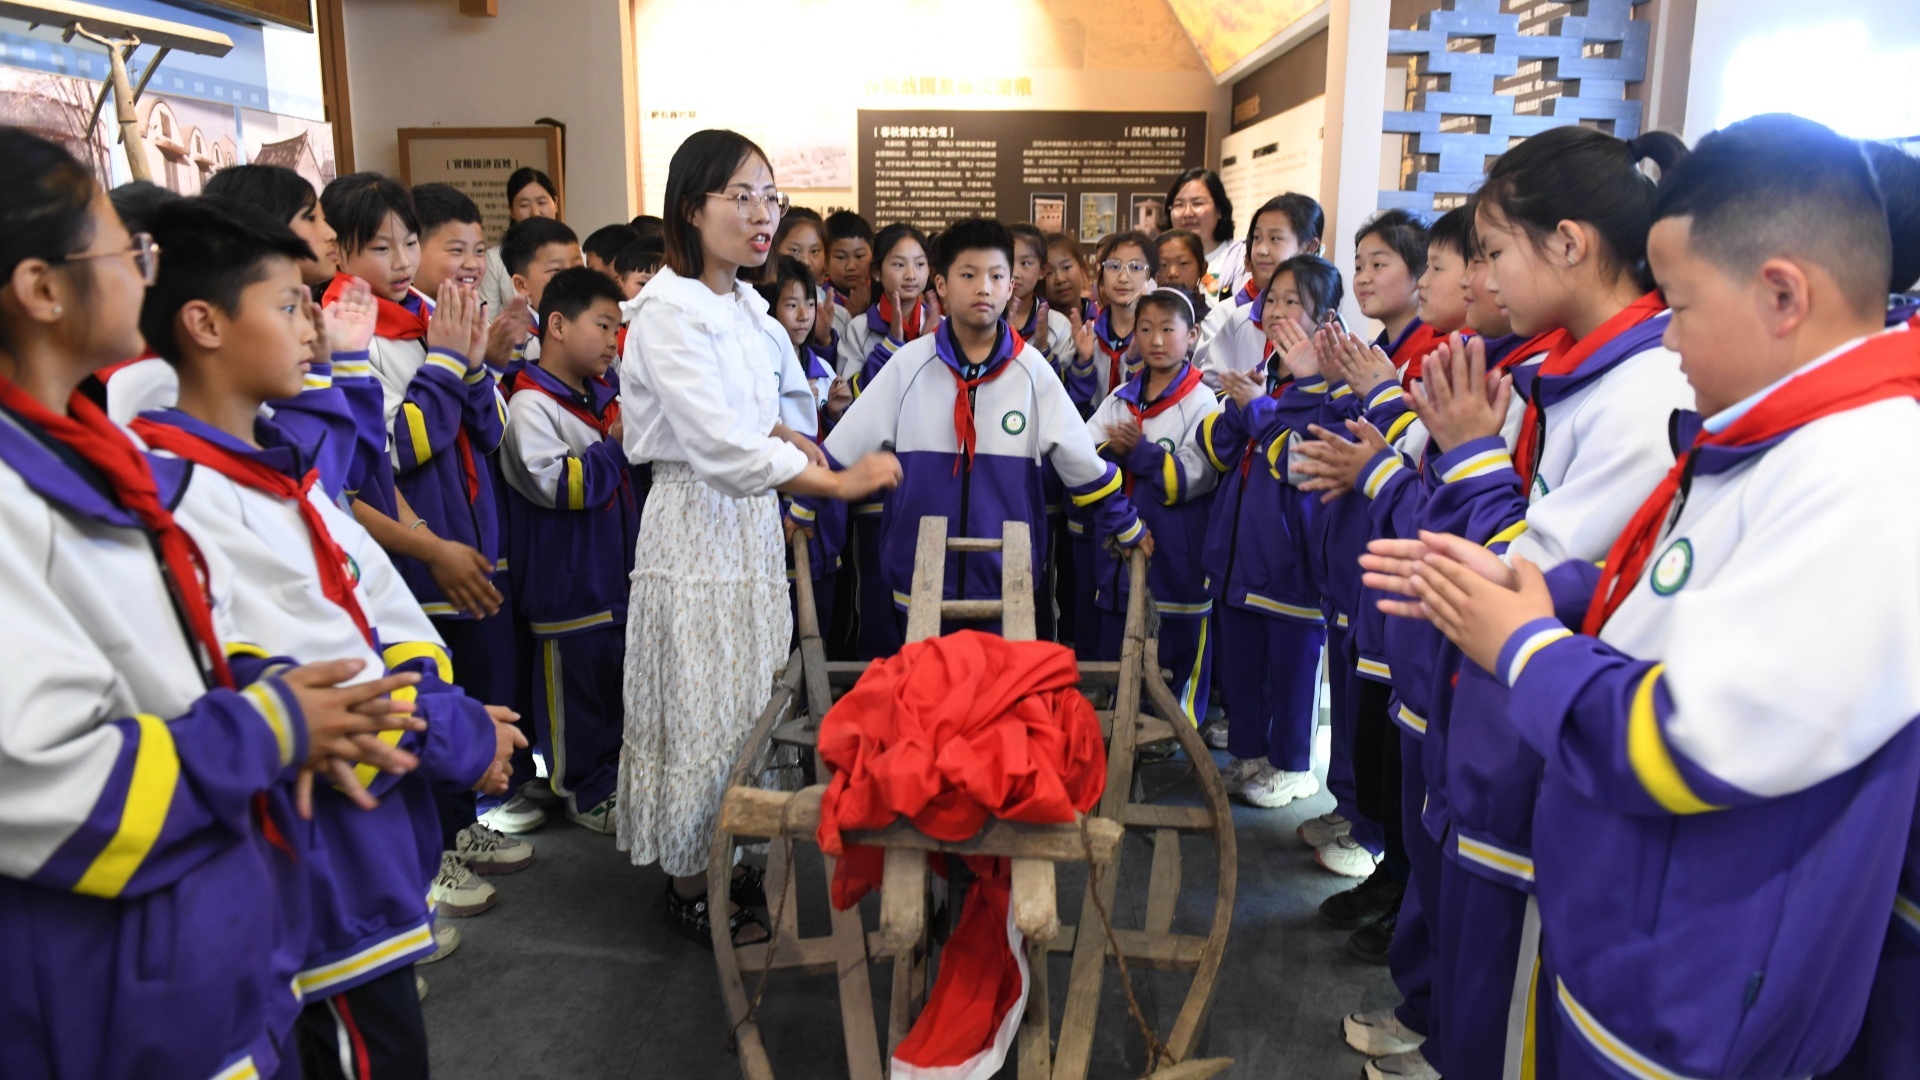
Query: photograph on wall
x,y
1097,213
305,146
56,108
1049,212
1149,213
812,168
187,140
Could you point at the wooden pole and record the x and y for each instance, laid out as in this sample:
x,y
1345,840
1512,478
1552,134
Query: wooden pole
x,y
129,119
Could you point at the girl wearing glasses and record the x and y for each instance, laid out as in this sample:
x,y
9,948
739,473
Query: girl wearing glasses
x,y
702,379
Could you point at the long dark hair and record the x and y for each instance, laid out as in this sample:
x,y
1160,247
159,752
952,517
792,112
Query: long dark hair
x,y
48,211
1579,174
1303,215
701,166
1316,280
1223,231
527,174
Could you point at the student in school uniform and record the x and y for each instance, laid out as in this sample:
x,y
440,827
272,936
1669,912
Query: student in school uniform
x,y
1563,219
790,298
1065,284
149,789
533,251
602,246
802,235
1183,259
444,418
973,412
1149,428
1708,777
849,275
571,531
1051,332
308,581
530,194
903,307
1198,202
1232,338
1258,570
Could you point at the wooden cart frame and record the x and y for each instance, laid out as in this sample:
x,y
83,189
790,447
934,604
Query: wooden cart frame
x,y
804,693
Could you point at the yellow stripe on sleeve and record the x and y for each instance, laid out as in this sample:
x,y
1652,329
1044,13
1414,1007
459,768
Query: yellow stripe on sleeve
x,y
1170,477
156,774
1112,485
1652,761
1206,440
1509,534
1399,427
395,655
417,431
576,485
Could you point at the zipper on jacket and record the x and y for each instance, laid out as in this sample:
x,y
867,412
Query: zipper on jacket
x,y
966,486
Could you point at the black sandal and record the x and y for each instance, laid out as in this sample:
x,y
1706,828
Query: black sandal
x,y
749,887
692,920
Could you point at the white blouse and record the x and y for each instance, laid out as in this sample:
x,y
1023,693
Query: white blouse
x,y
701,381
1227,264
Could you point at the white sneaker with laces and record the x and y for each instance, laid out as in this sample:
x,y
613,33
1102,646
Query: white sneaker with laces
x,y
458,891
1319,832
1408,1066
1346,857
1272,788
1215,734
1239,771
598,818
1377,1034
486,851
446,938
517,815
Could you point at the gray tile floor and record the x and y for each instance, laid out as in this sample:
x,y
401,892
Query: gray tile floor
x,y
573,974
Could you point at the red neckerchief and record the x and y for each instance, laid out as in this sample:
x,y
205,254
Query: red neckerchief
x,y
909,326
1275,387
602,423
1528,348
391,320
963,431
1883,367
1116,363
1413,350
1168,399
87,432
335,581
1564,357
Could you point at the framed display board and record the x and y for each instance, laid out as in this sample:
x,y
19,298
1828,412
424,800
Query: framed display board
x,y
1087,173
478,161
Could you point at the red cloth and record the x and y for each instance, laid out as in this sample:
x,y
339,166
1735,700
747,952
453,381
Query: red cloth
x,y
1527,350
335,580
1883,367
948,733
1412,353
391,320
1564,357
87,432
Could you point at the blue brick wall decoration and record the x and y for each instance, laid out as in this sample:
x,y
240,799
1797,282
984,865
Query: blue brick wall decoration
x,y
1458,120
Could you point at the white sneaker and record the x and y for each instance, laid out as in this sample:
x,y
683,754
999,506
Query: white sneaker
x,y
598,818
519,814
1377,1034
446,938
420,986
1321,831
1408,1066
540,790
1215,734
458,891
1272,788
1239,771
1346,857
486,851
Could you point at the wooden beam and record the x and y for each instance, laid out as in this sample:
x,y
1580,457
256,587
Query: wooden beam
x,y
483,8
756,812
119,24
330,25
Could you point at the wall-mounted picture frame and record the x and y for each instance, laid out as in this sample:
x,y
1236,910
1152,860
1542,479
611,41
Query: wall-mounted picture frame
x,y
478,161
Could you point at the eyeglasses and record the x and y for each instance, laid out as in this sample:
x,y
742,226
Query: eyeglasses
x,y
1193,204
146,257
776,204
1134,268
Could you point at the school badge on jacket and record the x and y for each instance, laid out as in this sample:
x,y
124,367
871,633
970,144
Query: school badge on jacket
x,y
1673,569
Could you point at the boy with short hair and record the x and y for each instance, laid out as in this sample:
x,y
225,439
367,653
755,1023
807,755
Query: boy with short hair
x,y
1711,768
974,413
309,582
849,267
635,266
533,250
572,529
604,244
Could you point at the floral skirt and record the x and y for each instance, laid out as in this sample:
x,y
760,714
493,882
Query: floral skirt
x,y
708,632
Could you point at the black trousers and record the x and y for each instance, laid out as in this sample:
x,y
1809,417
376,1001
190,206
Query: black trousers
x,y
374,1031
1376,771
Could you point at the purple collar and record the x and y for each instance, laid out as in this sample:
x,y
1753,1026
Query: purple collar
x,y
597,396
951,354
